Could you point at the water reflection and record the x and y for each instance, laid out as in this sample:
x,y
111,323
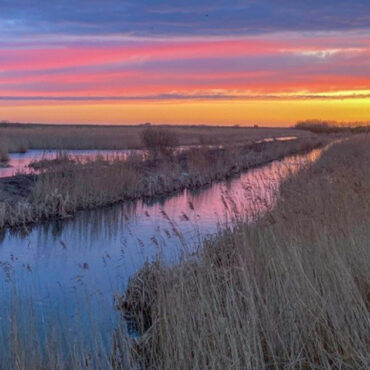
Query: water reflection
x,y
19,162
59,266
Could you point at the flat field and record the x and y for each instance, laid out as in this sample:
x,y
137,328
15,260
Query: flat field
x,y
20,137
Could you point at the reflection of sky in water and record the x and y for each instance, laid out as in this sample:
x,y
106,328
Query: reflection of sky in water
x,y
59,265
18,162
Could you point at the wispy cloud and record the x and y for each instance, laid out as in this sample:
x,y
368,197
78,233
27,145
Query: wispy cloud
x,y
212,97
183,17
263,65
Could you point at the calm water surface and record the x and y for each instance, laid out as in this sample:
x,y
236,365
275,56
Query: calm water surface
x,y
70,270
19,162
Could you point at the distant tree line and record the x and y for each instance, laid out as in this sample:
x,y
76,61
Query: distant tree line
x,y
327,127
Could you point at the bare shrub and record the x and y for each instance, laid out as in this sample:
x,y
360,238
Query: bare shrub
x,y
4,156
22,148
159,140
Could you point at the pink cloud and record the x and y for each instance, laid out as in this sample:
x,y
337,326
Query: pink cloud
x,y
315,64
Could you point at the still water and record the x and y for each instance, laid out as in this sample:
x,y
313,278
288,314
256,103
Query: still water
x,y
69,271
19,162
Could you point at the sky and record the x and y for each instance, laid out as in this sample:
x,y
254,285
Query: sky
x,y
267,62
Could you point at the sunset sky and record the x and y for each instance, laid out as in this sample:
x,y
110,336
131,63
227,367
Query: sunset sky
x,y
269,62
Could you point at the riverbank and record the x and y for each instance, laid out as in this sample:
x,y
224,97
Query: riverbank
x,y
70,186
292,291
66,273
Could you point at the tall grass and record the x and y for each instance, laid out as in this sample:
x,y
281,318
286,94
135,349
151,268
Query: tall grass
x,y
290,292
69,185
13,141
30,343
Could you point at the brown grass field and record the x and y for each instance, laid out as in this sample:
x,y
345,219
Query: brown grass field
x,y
291,292
20,137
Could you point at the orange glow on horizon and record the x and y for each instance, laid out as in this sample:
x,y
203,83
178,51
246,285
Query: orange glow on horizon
x,y
244,112
263,79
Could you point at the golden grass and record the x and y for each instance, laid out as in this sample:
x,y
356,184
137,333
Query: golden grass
x,y
291,292
22,136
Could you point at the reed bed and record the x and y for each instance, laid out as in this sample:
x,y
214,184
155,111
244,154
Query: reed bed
x,y
290,292
28,344
68,184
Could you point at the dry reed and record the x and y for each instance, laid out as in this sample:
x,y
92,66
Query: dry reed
x,y
291,292
20,137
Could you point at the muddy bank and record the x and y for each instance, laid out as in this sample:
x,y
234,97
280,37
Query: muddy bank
x,y
16,188
242,280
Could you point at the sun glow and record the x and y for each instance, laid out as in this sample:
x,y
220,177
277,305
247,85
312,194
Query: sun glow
x,y
179,77
270,112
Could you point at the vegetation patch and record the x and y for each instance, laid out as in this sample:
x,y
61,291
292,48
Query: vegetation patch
x,y
65,186
330,127
292,291
21,137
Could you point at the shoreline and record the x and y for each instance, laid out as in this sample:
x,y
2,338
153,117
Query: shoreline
x,y
22,186
251,274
